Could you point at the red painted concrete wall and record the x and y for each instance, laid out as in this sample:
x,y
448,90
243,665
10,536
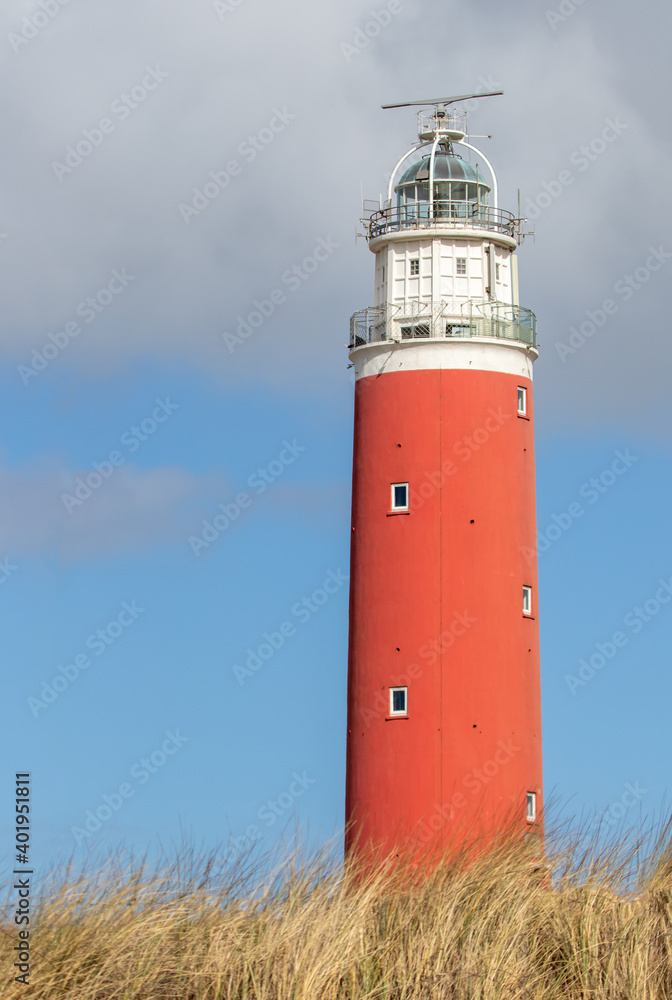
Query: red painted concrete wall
x,y
436,605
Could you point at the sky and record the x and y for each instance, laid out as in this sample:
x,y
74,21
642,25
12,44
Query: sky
x,y
166,169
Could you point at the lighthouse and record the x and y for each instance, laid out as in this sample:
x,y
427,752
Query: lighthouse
x,y
444,707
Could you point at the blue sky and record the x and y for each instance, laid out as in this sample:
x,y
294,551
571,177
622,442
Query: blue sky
x,y
280,401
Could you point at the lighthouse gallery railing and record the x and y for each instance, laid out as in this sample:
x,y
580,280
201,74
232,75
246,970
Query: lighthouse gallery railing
x,y
421,321
446,215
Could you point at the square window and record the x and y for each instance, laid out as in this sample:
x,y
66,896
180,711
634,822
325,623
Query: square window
x,y
398,701
460,265
531,807
399,496
527,600
415,266
522,400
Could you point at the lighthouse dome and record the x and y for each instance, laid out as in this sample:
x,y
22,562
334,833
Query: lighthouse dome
x,y
446,167
460,190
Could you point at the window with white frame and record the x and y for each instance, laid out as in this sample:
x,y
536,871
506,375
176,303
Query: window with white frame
x,y
531,807
527,600
498,272
522,400
460,265
415,265
398,701
399,496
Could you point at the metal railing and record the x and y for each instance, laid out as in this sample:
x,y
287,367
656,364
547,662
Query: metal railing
x,y
446,215
423,321
368,326
443,123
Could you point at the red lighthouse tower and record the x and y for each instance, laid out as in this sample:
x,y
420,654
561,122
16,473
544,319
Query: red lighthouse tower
x,y
444,711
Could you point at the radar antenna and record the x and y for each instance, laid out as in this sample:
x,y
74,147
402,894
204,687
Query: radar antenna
x,y
442,102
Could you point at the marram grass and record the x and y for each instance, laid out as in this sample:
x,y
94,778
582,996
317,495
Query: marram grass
x,y
590,923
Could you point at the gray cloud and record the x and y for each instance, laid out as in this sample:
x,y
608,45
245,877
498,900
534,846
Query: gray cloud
x,y
46,510
227,73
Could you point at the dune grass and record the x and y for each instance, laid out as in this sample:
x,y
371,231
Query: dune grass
x,y
593,922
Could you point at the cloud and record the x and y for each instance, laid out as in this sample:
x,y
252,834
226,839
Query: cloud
x,y
48,510
226,77
51,511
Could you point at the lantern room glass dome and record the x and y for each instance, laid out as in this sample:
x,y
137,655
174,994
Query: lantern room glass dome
x,y
460,190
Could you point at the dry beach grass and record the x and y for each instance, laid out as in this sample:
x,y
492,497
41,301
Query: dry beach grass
x,y
593,922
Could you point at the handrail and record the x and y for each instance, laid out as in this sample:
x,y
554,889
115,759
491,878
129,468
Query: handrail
x,y
444,215
420,321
